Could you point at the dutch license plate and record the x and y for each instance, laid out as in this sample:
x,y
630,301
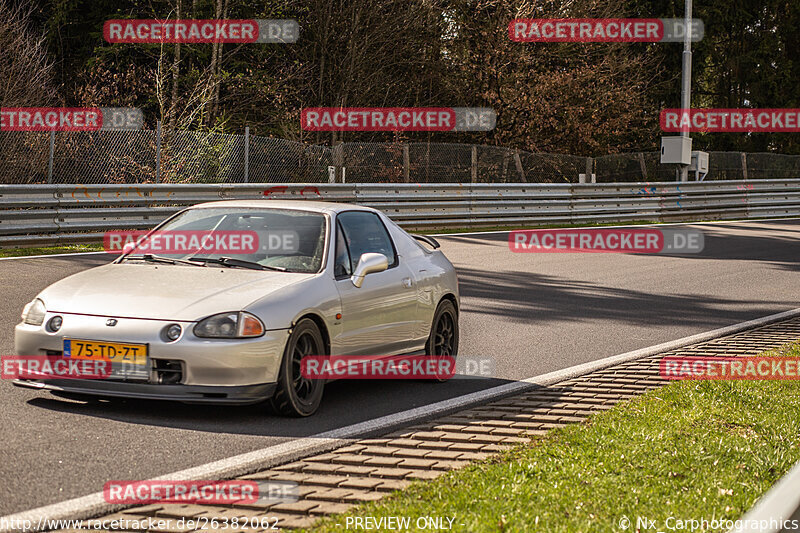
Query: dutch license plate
x,y
115,352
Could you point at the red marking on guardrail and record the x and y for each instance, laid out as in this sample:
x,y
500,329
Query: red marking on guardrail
x,y
276,188
310,188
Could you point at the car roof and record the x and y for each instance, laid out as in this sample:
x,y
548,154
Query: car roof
x,y
302,205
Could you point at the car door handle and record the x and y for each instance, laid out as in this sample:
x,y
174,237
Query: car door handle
x,y
407,283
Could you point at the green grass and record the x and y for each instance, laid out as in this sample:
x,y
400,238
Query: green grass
x,y
690,450
65,249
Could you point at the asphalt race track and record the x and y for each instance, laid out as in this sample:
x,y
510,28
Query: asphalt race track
x,y
534,313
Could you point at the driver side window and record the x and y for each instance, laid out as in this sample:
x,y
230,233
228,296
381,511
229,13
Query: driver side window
x,y
360,232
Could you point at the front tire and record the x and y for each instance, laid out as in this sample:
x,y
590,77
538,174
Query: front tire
x,y
443,339
295,395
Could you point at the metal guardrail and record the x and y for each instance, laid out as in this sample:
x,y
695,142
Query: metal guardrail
x,y
776,511
44,215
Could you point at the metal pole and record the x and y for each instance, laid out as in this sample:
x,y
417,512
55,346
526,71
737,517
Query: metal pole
x,y
744,166
590,169
247,154
158,151
520,168
406,164
52,153
474,166
338,161
686,75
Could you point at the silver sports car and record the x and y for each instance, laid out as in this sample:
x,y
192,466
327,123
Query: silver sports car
x,y
204,325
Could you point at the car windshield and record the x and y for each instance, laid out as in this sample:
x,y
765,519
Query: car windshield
x,y
269,239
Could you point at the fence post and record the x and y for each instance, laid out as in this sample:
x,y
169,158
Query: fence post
x,y
158,151
642,166
52,154
520,169
338,161
590,170
247,154
474,173
744,165
406,164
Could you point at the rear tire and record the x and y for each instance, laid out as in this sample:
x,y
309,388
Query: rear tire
x,y
443,339
295,395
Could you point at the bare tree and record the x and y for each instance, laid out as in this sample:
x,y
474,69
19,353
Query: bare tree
x,y
25,69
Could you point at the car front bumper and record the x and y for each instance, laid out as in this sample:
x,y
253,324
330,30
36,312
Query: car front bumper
x,y
226,370
242,395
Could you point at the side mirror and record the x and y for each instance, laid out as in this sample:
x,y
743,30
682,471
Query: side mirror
x,y
368,264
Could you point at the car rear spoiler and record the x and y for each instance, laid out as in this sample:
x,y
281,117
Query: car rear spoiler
x,y
427,240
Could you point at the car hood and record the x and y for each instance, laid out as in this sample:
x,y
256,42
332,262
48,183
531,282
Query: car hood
x,y
163,292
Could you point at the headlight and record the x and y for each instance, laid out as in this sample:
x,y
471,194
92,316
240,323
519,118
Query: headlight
x,y
33,313
230,326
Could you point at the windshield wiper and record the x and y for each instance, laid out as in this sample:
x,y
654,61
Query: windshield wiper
x,y
150,258
242,263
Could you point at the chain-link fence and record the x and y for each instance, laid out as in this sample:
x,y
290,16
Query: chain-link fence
x,y
192,157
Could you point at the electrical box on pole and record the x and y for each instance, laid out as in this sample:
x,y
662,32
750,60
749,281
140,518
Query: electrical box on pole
x,y
676,150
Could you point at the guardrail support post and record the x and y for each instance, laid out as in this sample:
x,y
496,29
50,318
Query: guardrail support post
x,y
158,151
474,172
52,154
247,154
406,164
